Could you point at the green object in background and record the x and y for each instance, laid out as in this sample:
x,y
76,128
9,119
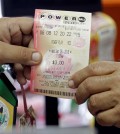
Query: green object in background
x,y
8,101
74,107
1,69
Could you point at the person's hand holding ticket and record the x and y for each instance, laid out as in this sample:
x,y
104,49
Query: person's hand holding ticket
x,y
100,84
15,38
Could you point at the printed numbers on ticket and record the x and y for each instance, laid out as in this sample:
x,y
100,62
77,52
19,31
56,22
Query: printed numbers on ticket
x,y
63,38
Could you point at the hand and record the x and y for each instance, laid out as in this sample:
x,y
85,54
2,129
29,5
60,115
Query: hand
x,y
15,38
100,84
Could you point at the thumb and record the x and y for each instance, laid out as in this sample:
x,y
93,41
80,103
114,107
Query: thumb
x,y
17,54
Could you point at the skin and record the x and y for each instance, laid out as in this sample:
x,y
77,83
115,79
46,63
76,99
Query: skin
x,y
16,41
99,84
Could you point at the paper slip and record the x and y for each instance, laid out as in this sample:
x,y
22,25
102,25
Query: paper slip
x,y
63,38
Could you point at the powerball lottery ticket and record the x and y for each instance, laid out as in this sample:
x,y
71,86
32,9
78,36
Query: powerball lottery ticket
x,y
63,38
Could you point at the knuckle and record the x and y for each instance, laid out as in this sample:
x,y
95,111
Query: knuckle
x,y
101,120
92,68
18,67
95,68
12,27
92,102
80,96
117,110
24,53
115,97
14,30
117,78
87,84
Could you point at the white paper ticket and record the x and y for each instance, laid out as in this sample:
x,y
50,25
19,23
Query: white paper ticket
x,y
63,38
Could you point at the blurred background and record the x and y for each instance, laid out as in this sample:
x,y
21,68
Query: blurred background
x,y
105,45
0,10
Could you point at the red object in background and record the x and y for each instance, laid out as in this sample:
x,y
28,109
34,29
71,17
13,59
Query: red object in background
x,y
112,8
94,49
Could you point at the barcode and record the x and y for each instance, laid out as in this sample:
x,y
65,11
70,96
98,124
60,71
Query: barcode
x,y
60,93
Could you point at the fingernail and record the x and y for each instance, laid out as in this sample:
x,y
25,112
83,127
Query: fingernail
x,y
71,83
36,56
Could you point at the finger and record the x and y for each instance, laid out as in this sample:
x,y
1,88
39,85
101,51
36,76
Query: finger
x,y
12,29
4,30
117,125
15,33
110,117
101,102
31,44
25,24
18,54
93,85
19,74
27,71
96,69
26,40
